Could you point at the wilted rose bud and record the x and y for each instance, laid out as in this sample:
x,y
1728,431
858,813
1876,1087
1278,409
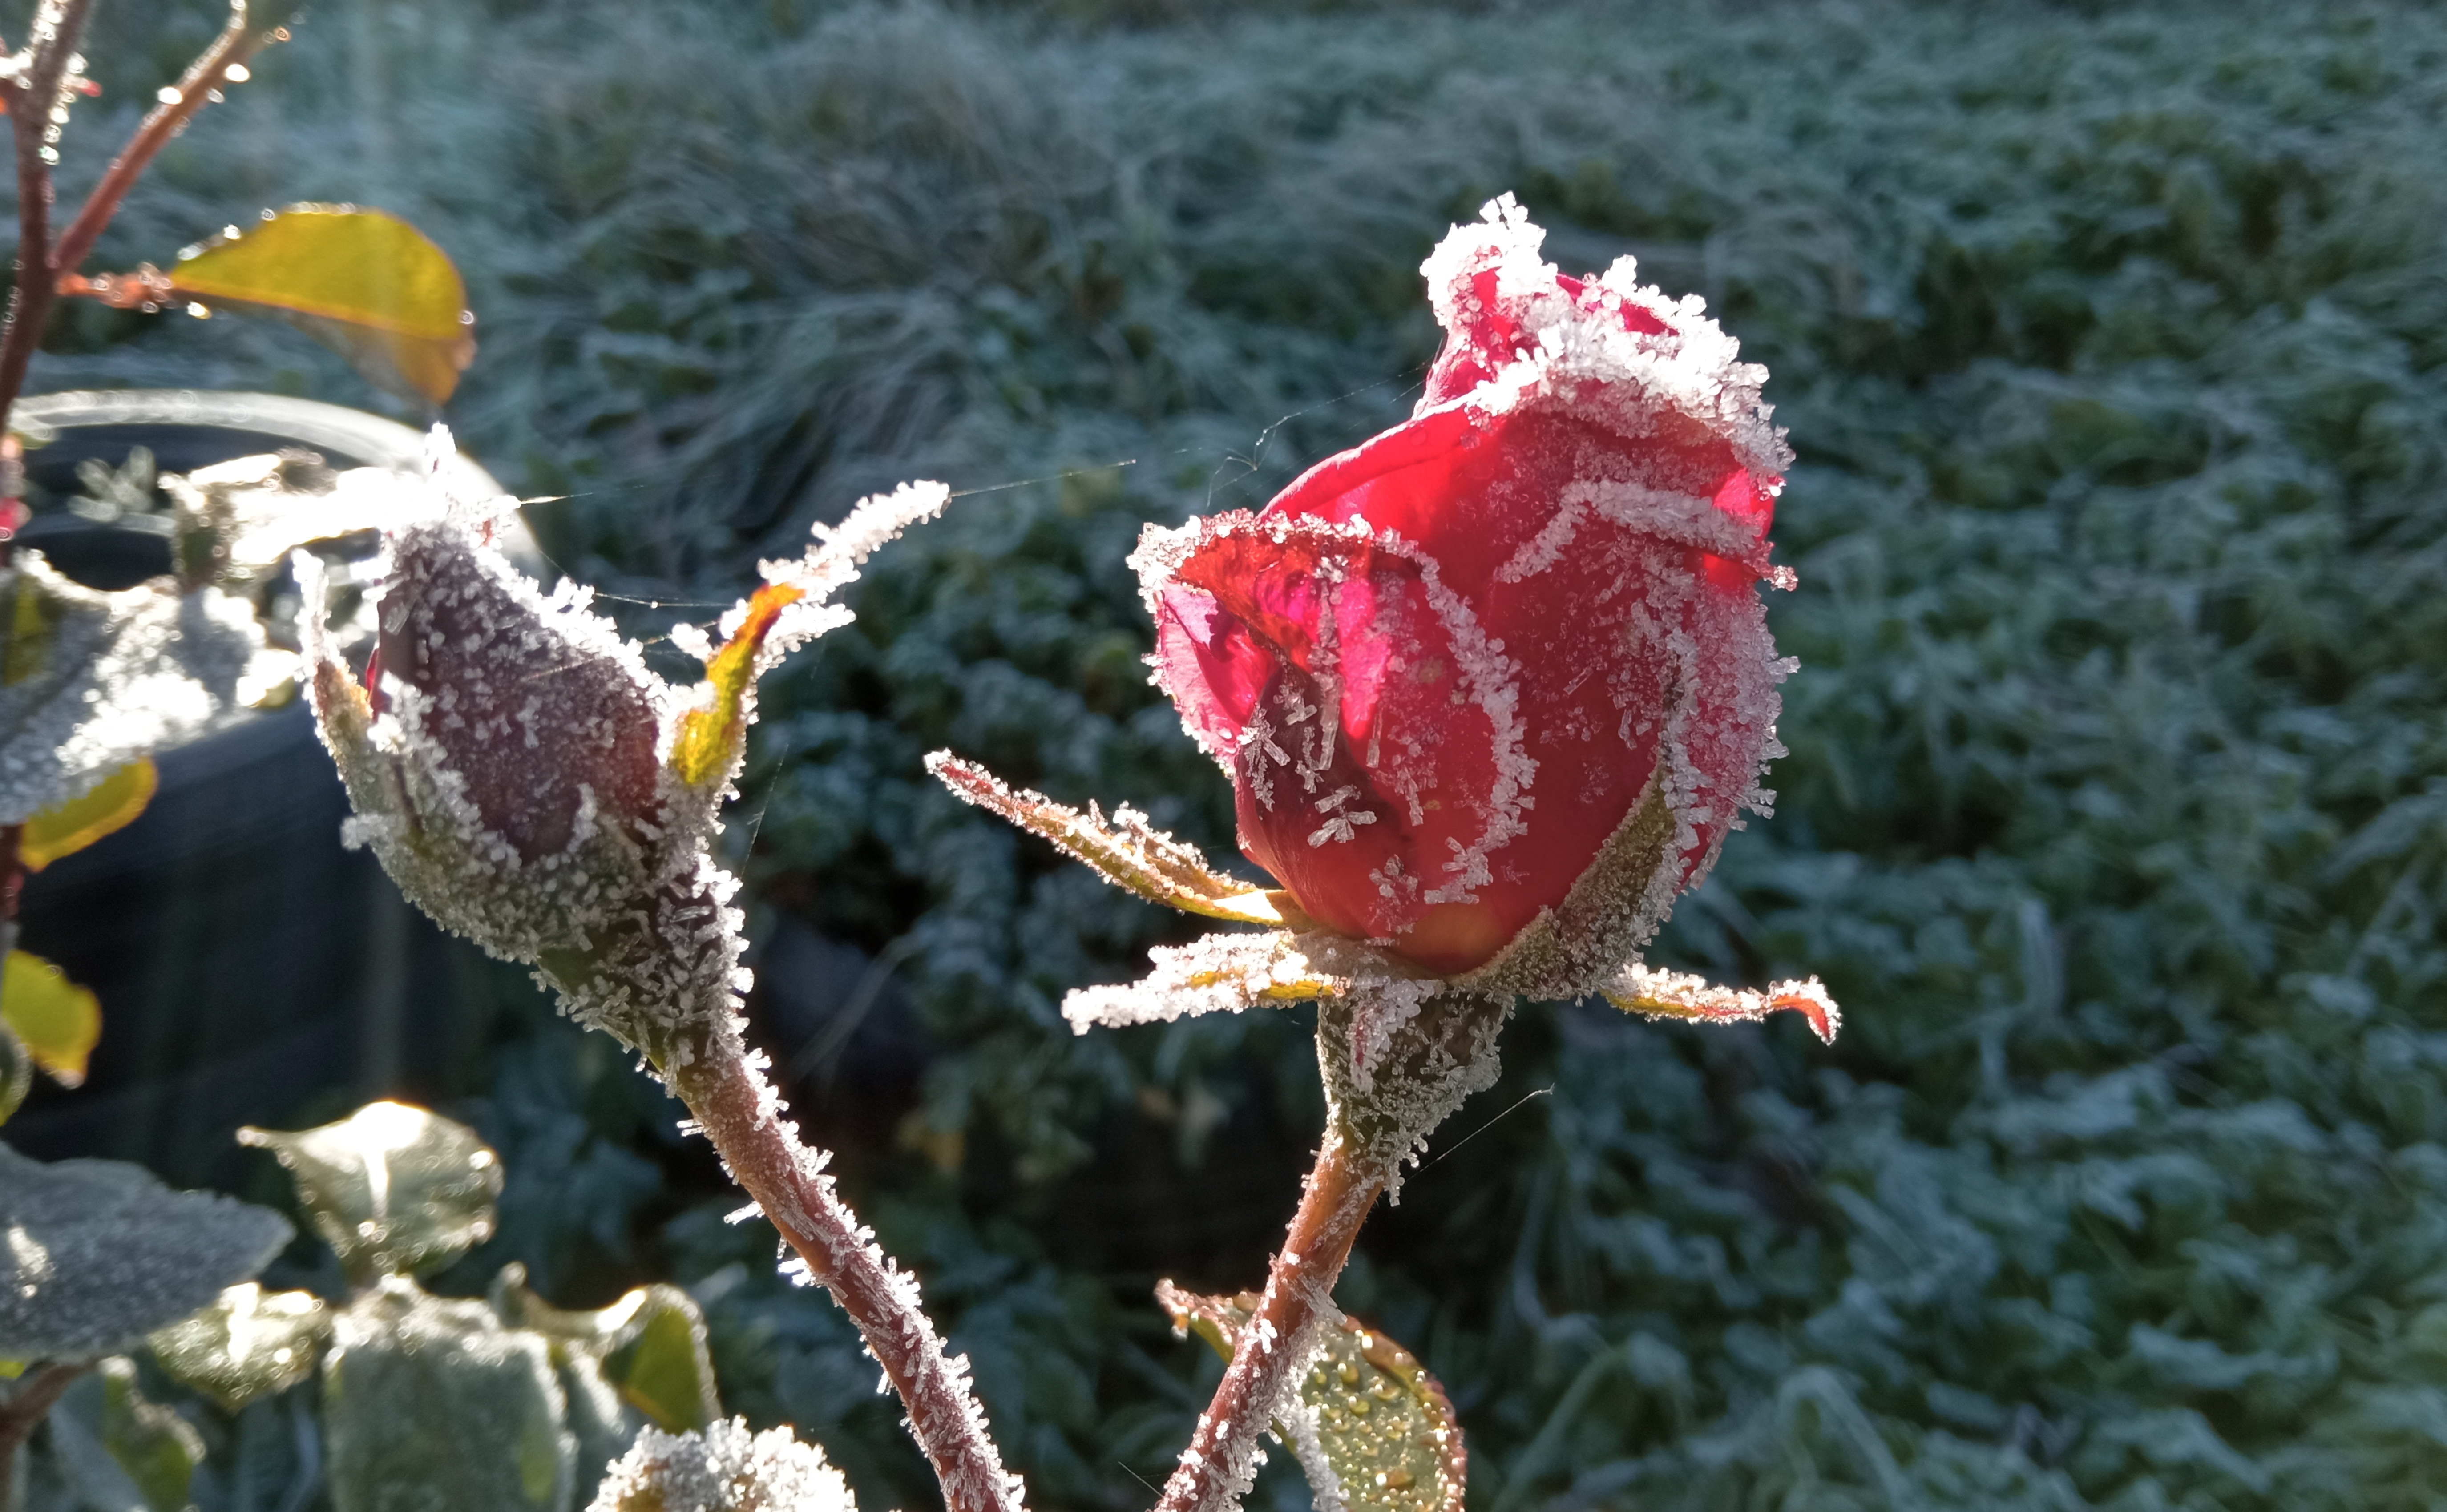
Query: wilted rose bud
x,y
1507,660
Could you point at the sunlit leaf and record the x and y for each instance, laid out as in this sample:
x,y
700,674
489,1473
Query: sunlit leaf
x,y
650,1345
109,804
248,1344
393,1189
430,1403
1126,849
121,1451
1373,1416
100,1253
16,1072
58,1022
366,283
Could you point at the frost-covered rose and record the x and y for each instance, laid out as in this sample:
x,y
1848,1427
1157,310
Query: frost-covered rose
x,y
531,784
1509,648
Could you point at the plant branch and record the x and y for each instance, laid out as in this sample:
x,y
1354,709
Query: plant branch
x,y
1393,1069
31,1403
57,28
210,70
1214,1471
743,1117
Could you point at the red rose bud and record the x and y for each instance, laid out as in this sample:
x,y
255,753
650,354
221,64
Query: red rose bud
x,y
1506,661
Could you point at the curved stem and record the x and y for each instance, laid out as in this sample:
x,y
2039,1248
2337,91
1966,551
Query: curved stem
x,y
742,1116
210,70
58,26
1216,1468
19,1413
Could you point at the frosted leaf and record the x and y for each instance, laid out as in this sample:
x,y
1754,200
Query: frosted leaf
x,y
1228,973
1672,994
1373,1429
94,1255
832,563
650,1345
723,1468
430,1403
393,1189
239,519
90,681
249,1343
1126,850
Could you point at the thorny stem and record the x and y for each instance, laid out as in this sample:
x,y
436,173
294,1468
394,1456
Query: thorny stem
x,y
31,1403
1341,1189
739,1113
36,94
235,45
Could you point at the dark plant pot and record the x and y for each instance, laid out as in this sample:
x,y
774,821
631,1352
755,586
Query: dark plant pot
x,y
250,970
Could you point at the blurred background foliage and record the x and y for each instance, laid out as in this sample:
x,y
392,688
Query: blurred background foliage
x,y
2110,338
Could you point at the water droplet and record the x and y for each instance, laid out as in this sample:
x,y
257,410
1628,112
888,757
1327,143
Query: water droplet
x,y
236,73
212,95
199,312
168,94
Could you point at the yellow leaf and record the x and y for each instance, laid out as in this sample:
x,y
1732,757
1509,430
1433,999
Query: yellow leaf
x,y
710,737
109,804
58,1021
362,281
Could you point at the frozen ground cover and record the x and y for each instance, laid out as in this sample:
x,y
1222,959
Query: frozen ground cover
x,y
2110,345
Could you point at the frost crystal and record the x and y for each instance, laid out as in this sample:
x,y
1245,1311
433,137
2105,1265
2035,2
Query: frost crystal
x,y
722,1468
518,768
91,681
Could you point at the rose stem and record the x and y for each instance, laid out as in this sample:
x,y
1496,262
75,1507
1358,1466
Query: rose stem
x,y
35,94
740,1114
19,1413
235,45
1341,1189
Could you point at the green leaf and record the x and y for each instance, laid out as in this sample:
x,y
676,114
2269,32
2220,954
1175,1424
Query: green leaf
x,y
99,1254
58,1022
109,804
1375,1420
651,1346
394,1190
16,1071
366,283
121,1451
248,1344
430,1403
665,1370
